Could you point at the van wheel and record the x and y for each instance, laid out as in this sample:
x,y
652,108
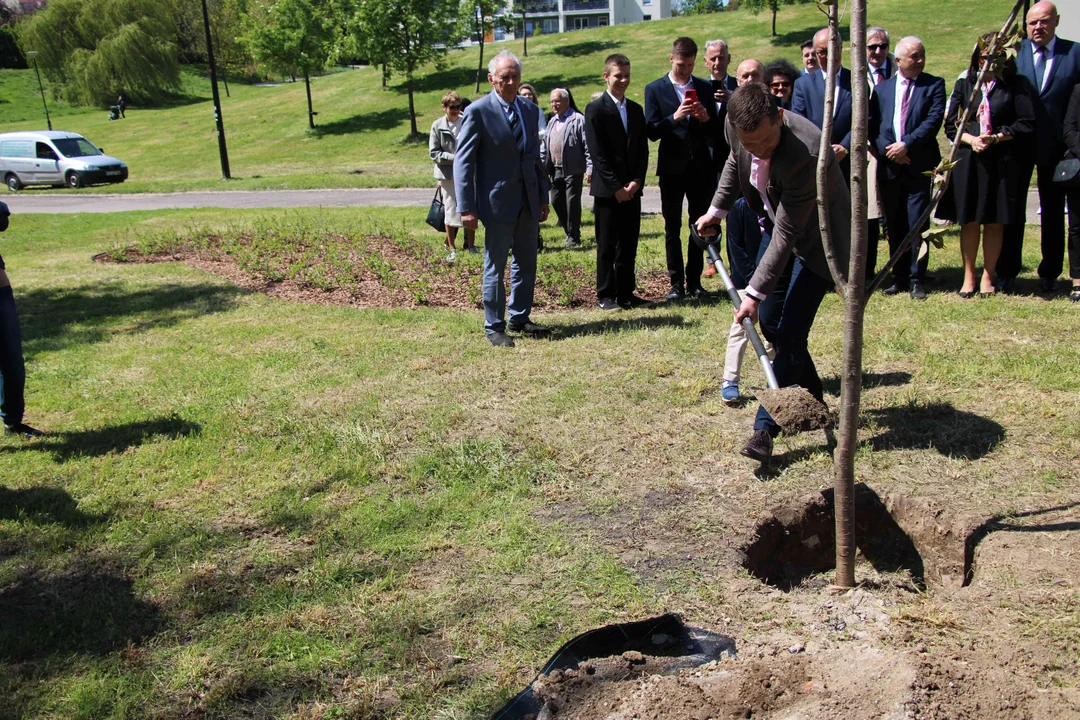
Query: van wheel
x,y
74,180
13,182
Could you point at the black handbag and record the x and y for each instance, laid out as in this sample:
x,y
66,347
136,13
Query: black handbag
x,y
1067,172
436,214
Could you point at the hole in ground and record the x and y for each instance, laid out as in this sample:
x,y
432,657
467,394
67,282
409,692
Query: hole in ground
x,y
893,534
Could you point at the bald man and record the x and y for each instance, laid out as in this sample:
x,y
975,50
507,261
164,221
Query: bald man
x,y
808,100
1052,65
750,71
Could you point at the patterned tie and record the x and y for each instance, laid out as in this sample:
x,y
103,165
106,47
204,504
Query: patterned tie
x,y
904,106
1040,67
880,76
515,128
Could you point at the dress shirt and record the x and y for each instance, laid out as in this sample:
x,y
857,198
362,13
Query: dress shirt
x,y
680,90
759,178
621,104
875,78
1049,59
898,103
835,90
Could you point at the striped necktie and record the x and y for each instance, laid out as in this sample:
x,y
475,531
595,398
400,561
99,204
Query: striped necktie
x,y
515,128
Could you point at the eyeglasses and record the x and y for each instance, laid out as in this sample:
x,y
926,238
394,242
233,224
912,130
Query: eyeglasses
x,y
453,107
878,46
779,85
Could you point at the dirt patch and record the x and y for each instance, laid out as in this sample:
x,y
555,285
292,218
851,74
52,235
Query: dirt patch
x,y
402,279
794,409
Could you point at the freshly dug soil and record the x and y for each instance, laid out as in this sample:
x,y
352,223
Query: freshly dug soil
x,y
794,409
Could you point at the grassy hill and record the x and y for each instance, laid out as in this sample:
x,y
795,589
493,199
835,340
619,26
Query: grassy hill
x,y
361,138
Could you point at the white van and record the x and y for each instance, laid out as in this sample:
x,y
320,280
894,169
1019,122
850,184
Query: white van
x,y
55,158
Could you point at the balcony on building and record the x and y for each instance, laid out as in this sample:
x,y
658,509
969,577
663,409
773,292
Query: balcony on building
x,y
570,6
542,7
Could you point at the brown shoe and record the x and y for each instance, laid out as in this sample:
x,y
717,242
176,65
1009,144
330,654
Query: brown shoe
x,y
759,447
710,270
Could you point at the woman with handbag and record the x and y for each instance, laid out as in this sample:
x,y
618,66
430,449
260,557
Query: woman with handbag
x,y
1070,166
442,143
983,195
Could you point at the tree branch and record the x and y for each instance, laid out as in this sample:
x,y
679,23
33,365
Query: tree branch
x,y
825,148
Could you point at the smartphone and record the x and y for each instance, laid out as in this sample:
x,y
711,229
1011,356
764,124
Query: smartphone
x,y
691,94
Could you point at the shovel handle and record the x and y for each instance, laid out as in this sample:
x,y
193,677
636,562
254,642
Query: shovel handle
x,y
747,325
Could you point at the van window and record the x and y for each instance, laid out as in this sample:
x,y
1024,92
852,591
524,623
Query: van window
x,y
17,149
44,152
76,147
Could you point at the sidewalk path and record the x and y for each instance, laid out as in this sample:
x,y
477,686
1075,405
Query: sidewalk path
x,y
29,202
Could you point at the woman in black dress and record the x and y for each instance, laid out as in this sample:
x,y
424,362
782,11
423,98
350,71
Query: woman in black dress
x,y
1072,194
982,193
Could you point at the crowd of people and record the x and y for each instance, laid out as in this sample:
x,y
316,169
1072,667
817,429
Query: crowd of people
x,y
744,149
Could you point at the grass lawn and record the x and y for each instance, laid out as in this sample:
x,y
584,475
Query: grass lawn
x,y
361,138
248,507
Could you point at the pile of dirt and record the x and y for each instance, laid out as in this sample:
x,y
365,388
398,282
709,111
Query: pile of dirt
x,y
416,281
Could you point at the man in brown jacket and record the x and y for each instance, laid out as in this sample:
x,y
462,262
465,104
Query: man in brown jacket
x,y
773,164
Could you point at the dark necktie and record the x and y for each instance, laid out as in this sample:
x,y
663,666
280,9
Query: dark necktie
x,y
1040,67
880,72
515,128
904,107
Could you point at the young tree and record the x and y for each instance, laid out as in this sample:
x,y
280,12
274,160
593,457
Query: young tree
x,y
90,50
756,6
294,37
482,16
411,33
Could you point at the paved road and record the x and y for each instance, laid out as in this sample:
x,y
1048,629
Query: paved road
x,y
29,202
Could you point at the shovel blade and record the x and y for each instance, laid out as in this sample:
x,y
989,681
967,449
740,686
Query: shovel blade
x,y
794,409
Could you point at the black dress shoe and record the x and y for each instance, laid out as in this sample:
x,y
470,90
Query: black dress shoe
x,y
759,447
530,329
1005,285
22,429
918,292
608,304
893,289
966,294
634,302
700,294
572,242
499,339
675,294
1047,286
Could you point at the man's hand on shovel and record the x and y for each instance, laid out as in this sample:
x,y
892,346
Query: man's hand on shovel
x,y
748,309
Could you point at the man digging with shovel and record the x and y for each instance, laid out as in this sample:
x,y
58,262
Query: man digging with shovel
x,y
773,164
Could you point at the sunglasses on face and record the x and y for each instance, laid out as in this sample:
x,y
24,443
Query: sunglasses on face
x,y
779,85
878,46
453,107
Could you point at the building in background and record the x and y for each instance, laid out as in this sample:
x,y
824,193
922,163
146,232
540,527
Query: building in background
x,y
556,16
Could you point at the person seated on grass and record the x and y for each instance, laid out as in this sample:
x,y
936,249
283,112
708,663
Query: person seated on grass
x,y
12,366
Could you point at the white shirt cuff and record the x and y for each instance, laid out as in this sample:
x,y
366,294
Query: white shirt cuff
x,y
755,294
717,213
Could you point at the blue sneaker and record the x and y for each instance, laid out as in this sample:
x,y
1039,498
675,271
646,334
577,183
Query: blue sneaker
x,y
729,392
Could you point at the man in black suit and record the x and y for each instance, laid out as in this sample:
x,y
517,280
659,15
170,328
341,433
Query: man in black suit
x,y
808,100
1052,65
880,66
675,116
619,148
12,365
718,59
906,112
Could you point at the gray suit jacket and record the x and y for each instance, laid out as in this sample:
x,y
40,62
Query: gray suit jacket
x,y
492,179
575,155
792,191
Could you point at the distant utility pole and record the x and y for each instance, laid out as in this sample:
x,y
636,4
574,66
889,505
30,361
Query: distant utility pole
x,y
33,56
222,150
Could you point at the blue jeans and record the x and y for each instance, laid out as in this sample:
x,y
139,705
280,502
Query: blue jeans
x,y
790,335
12,369
499,240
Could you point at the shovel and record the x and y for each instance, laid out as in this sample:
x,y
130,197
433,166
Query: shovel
x,y
793,408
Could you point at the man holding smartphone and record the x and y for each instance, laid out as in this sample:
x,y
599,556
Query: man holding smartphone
x,y
676,116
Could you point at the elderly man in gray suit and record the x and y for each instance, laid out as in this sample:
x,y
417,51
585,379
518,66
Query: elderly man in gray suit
x,y
566,156
502,183
773,164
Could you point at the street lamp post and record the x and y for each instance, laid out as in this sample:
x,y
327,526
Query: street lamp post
x,y
222,150
33,56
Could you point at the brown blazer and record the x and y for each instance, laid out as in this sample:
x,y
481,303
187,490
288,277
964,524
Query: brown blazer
x,y
792,191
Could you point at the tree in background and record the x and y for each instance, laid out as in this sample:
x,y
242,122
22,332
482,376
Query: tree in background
x,y
227,25
92,50
481,16
10,55
699,7
408,34
756,6
294,37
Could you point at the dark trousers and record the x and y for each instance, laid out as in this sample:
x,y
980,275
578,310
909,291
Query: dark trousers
x,y
618,226
790,333
904,199
12,368
1052,200
566,201
698,189
1073,196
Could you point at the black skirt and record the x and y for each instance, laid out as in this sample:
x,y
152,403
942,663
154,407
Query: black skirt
x,y
981,189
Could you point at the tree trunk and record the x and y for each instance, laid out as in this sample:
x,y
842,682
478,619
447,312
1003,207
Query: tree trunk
x,y
310,114
524,33
225,79
854,309
774,21
412,108
385,75
480,34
